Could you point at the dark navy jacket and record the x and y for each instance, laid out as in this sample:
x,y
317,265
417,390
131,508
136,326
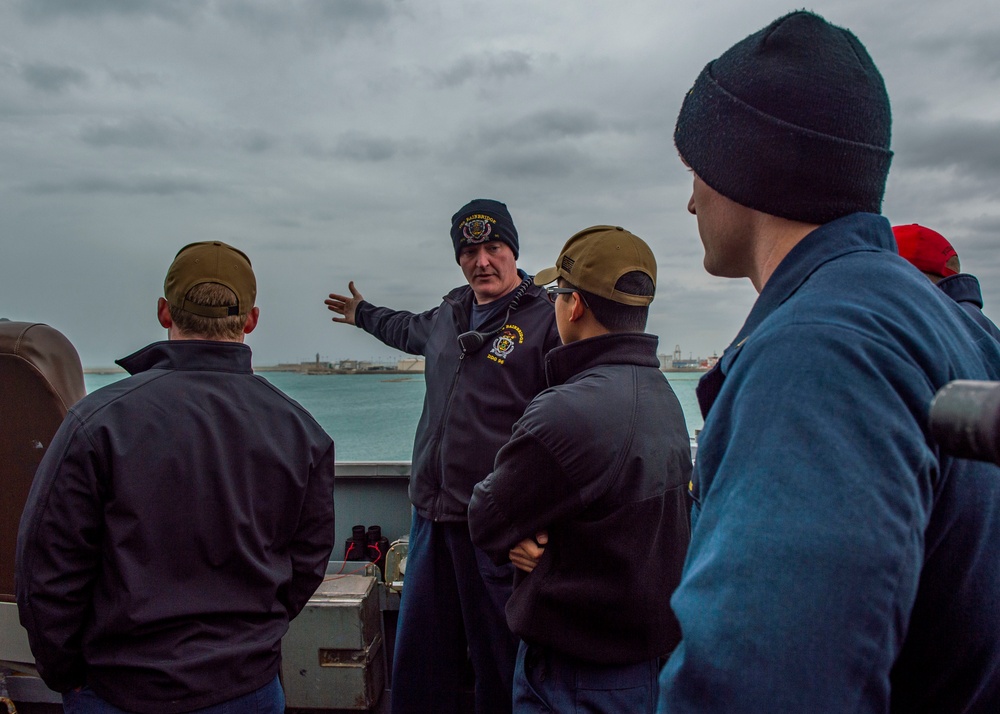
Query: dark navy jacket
x,y
601,460
471,401
964,289
179,519
839,561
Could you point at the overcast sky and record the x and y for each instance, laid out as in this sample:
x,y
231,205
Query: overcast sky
x,y
333,139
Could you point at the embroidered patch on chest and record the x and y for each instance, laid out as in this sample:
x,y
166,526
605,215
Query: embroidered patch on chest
x,y
510,337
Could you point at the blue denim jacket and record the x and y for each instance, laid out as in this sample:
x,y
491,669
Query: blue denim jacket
x,y
839,562
964,289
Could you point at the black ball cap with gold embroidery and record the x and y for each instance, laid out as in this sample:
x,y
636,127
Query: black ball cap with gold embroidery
x,y
211,262
596,257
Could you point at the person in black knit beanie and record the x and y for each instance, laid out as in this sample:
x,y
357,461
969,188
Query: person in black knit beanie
x,y
838,559
797,96
485,347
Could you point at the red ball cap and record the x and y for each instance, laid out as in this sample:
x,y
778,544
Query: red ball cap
x,y
928,250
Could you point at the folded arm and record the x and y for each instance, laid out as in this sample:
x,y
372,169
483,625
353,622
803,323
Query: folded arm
x,y
526,492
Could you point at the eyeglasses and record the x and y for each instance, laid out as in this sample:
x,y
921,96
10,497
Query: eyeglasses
x,y
553,291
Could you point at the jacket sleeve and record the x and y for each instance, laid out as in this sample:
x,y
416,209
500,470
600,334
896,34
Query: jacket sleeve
x,y
525,493
404,331
310,549
58,555
813,483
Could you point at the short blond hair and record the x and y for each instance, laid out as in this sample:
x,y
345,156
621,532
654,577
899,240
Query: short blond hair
x,y
209,328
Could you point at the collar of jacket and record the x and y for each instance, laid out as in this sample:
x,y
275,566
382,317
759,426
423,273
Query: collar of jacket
x,y
853,233
962,287
201,355
636,348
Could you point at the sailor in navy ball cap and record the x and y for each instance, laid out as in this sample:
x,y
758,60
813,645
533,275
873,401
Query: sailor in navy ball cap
x,y
838,558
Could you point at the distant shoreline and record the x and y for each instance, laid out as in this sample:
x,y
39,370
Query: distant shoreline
x,y
321,371
334,370
278,368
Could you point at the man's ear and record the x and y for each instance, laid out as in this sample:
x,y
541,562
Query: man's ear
x,y
251,322
163,313
577,307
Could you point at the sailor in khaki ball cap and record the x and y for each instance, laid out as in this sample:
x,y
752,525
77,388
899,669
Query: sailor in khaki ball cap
x,y
594,474
180,518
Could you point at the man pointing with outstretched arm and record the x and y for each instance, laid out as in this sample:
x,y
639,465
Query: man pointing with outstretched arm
x,y
484,346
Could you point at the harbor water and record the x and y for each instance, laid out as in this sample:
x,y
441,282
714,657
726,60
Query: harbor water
x,y
373,417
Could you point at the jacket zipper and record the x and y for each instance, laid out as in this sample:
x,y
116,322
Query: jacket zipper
x,y
436,514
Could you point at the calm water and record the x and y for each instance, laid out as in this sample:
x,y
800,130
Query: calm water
x,y
374,417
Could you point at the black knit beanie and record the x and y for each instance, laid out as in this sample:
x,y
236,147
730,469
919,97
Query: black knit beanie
x,y
482,220
793,121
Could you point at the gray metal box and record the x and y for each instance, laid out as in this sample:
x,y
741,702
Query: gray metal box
x,y
332,653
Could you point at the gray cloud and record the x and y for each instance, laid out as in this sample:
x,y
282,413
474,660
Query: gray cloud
x,y
48,10
968,146
289,223
545,126
546,145
305,17
52,78
490,66
262,17
149,185
136,80
986,224
975,239
532,163
919,196
136,133
981,47
351,11
361,147
257,143
984,50
167,134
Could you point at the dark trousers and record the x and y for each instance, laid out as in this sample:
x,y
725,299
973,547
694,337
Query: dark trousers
x,y
269,699
452,610
548,681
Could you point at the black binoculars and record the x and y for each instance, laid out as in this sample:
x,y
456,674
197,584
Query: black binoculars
x,y
965,420
368,545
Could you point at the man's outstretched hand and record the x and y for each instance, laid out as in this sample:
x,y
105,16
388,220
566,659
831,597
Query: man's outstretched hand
x,y
343,305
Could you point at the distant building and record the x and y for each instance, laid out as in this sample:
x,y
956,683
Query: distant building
x,y
411,364
677,363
